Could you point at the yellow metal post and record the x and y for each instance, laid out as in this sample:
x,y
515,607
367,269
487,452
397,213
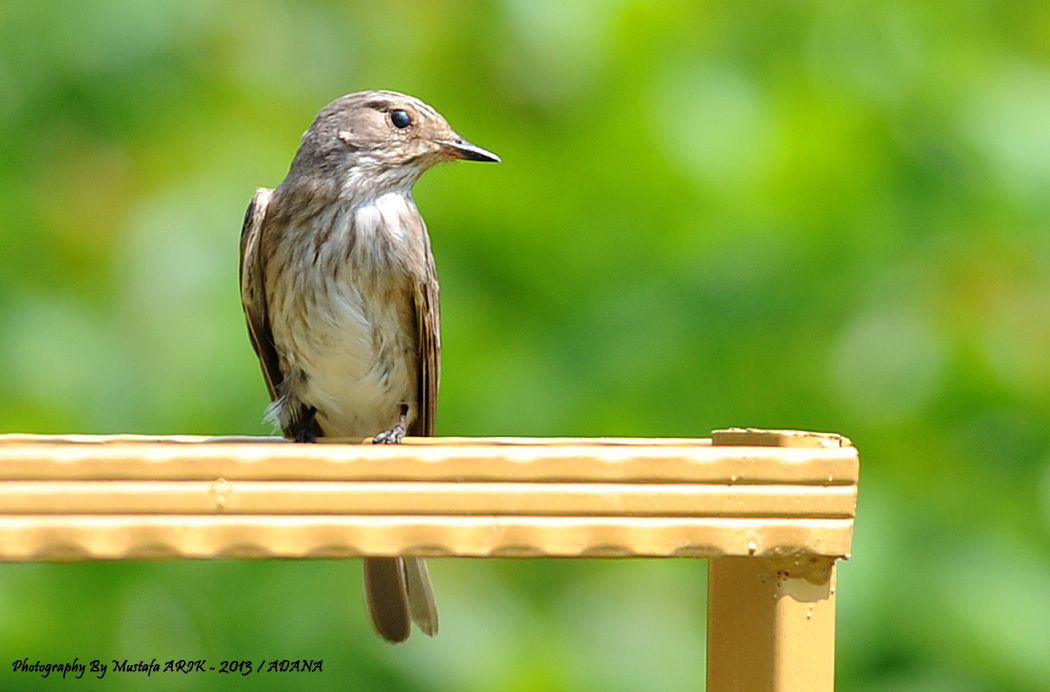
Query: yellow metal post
x,y
771,625
771,619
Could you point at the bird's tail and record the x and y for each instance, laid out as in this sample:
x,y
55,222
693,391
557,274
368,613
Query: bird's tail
x,y
398,592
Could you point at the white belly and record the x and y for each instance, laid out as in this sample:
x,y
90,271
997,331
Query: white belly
x,y
358,367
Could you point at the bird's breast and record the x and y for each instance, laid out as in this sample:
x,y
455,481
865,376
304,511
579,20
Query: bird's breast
x,y
345,329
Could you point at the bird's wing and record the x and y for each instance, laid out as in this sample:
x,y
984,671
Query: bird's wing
x,y
253,290
428,326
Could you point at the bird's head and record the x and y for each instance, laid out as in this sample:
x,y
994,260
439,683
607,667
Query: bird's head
x,y
385,137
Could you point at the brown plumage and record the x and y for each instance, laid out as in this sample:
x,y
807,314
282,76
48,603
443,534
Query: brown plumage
x,y
340,294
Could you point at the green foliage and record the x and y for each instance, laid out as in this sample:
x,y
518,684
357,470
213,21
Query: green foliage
x,y
819,215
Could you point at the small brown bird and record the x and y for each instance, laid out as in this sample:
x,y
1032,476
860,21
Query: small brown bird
x,y
341,297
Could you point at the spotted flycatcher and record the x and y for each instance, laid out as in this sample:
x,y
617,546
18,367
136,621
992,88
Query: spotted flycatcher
x,y
341,297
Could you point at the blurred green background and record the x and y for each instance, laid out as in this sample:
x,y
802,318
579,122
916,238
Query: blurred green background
x,y
819,215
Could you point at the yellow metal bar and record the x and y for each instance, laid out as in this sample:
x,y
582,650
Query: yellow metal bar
x,y
41,457
115,497
428,498
64,537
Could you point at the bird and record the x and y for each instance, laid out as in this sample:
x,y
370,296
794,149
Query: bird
x,y
340,294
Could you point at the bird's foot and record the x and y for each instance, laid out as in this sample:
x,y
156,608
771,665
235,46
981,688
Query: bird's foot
x,y
305,427
393,435
390,437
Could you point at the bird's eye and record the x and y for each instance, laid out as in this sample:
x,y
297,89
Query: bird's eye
x,y
400,119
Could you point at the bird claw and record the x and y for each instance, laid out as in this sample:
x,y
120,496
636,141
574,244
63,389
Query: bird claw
x,y
393,435
390,437
305,428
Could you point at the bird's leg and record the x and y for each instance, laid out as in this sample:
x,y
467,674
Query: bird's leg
x,y
305,429
393,435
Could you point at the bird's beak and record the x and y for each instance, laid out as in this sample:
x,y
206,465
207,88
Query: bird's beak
x,y
459,148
